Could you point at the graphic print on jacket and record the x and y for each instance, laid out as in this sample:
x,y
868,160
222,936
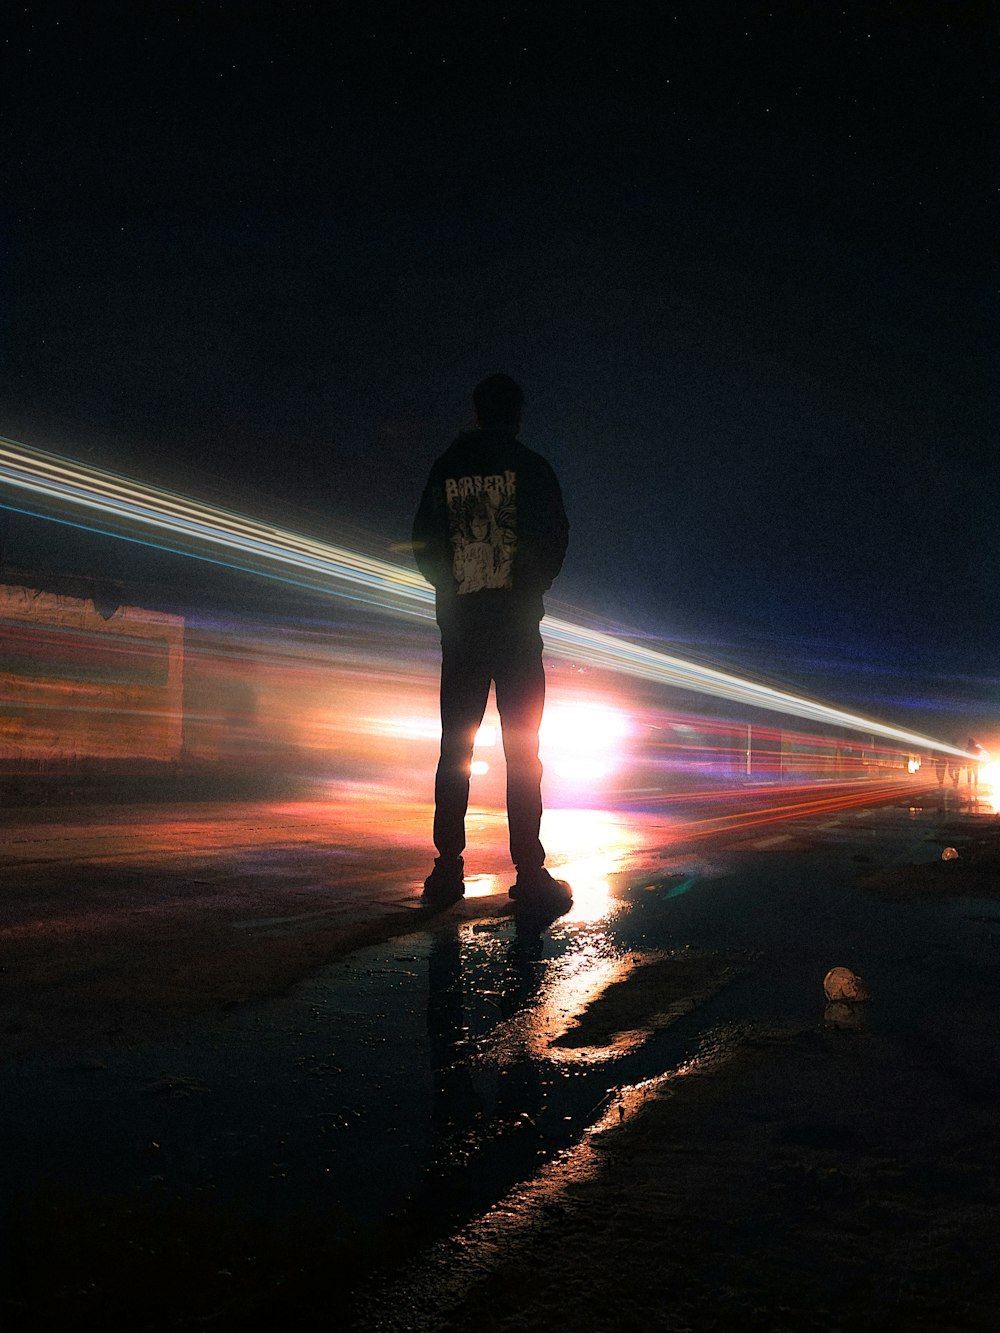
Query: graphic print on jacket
x,y
482,525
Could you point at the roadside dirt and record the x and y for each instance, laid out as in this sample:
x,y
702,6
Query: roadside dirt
x,y
973,873
809,1182
829,1178
808,1178
104,952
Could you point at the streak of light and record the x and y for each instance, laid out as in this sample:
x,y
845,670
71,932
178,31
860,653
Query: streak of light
x,y
817,804
602,650
72,492
49,486
678,799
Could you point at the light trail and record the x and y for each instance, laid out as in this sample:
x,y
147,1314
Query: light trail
x,y
46,485
101,501
613,654
818,804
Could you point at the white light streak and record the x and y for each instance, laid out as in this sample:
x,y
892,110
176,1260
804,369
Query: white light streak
x,y
86,496
613,654
44,484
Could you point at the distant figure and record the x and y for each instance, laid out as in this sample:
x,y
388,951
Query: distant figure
x,y
940,767
972,771
490,534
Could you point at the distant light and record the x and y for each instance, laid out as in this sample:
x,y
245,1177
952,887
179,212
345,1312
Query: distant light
x,y
479,767
913,766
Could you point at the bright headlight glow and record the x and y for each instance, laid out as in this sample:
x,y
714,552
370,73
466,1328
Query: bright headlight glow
x,y
48,486
580,741
582,728
580,768
988,788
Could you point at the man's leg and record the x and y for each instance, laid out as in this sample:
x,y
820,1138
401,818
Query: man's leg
x,y
520,682
465,688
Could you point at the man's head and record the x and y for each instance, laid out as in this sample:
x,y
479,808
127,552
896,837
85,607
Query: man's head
x,y
498,401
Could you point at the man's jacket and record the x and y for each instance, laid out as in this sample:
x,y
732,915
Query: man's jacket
x,y
490,532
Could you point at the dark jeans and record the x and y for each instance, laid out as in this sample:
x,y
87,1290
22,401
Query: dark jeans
x,y
510,656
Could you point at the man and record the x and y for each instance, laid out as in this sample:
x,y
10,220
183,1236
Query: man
x,y
490,534
973,748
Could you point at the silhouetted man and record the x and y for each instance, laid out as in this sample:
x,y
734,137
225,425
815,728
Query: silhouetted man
x,y
490,534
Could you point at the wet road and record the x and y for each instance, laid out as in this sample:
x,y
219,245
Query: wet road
x,y
395,1092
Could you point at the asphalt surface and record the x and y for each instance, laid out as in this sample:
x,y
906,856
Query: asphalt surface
x,y
245,1069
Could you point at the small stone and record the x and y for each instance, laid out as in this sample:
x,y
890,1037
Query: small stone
x,y
840,983
950,854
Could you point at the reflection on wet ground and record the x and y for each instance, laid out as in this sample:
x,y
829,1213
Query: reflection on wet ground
x,y
591,849
404,1089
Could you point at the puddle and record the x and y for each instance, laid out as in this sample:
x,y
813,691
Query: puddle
x,y
411,1085
408,1086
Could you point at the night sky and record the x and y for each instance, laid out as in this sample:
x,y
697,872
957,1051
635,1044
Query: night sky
x,y
737,254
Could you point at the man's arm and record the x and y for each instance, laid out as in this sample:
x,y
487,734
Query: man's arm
x,y
543,531
431,548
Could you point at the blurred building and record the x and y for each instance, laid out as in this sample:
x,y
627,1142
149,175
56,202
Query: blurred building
x,y
82,689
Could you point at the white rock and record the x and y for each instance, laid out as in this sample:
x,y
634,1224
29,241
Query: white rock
x,y
840,983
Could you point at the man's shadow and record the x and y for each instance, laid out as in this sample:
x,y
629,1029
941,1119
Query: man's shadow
x,y
531,923
462,1123
456,1106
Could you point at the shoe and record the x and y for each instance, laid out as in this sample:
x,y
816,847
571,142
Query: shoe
x,y
446,882
537,890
